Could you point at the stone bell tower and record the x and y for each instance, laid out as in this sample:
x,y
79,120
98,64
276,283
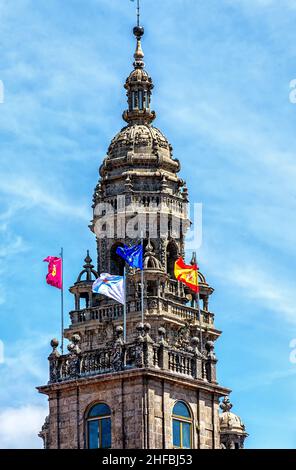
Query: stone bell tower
x,y
157,389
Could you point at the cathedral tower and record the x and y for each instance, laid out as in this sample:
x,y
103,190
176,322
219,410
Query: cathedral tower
x,y
158,388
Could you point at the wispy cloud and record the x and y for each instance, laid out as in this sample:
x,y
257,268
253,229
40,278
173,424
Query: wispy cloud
x,y
20,426
24,365
10,245
253,382
264,287
31,194
248,188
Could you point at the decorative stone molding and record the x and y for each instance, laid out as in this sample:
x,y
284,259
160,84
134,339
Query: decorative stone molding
x,y
44,433
142,352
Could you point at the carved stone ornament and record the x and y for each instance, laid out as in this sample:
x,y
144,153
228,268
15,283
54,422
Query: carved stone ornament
x,y
183,338
117,359
54,371
44,433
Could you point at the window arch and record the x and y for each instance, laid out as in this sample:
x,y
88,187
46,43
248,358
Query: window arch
x,y
182,426
116,261
99,427
140,100
172,256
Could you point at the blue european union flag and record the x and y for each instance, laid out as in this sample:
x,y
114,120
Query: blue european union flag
x,y
133,255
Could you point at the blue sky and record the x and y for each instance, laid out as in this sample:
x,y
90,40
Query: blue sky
x,y
222,70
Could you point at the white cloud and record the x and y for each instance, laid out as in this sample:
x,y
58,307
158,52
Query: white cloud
x,y
253,187
10,245
31,194
25,367
271,290
255,381
20,426
255,278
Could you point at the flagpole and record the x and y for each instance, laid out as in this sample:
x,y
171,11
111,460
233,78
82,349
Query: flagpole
x,y
142,278
197,299
62,301
124,305
199,315
199,311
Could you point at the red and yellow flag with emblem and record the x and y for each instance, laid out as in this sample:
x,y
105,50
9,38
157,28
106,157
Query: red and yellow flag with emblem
x,y
188,274
54,275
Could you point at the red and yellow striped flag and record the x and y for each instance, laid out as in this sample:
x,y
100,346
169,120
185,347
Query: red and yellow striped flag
x,y
188,274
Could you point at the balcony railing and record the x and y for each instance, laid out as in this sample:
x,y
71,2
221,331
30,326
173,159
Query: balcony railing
x,y
150,202
153,305
142,353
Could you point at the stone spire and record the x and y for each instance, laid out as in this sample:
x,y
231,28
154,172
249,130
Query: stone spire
x,y
138,86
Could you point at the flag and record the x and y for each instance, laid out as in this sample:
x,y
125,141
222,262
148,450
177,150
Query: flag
x,y
133,255
188,274
54,276
111,286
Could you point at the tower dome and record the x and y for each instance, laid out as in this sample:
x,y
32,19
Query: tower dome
x,y
139,136
140,139
231,422
139,146
232,429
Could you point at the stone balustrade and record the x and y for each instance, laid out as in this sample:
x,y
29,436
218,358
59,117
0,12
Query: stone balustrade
x,y
151,202
189,361
156,305
109,312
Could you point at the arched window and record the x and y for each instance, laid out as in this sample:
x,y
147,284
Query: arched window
x,y
140,99
182,426
172,256
133,100
116,261
99,427
146,101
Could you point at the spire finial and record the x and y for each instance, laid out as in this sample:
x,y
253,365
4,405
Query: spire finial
x,y
88,269
138,84
139,54
193,259
88,261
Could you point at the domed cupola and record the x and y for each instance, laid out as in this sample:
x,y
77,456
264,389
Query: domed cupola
x,y
139,149
138,86
150,260
140,139
82,289
232,429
